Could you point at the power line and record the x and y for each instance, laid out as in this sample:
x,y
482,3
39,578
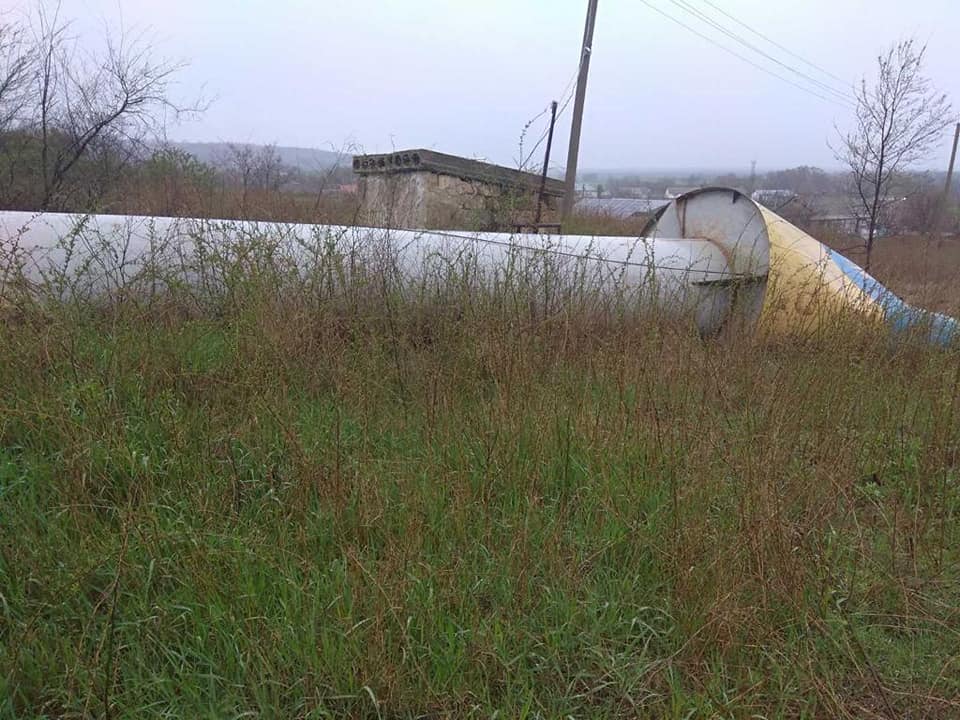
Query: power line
x,y
539,142
547,131
568,91
773,42
523,133
568,88
768,71
536,117
685,6
836,95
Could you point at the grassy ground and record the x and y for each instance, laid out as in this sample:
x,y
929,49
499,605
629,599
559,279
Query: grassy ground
x,y
280,507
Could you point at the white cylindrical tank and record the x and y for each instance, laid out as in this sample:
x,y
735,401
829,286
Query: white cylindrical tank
x,y
717,275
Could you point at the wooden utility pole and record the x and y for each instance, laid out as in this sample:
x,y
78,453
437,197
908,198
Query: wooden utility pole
x,y
570,183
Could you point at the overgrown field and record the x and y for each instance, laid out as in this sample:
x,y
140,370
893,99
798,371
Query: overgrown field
x,y
282,508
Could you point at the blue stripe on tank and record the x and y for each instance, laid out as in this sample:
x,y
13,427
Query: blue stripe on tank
x,y
900,316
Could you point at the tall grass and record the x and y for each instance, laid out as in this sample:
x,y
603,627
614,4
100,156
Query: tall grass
x,y
328,494
920,267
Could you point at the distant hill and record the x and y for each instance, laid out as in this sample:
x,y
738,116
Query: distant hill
x,y
301,158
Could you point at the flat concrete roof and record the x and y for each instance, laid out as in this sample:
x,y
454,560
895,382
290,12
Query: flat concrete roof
x,y
420,160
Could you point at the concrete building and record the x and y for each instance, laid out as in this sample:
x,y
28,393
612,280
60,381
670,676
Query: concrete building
x,y
427,189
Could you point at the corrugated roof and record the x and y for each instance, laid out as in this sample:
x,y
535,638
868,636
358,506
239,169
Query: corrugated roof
x,y
619,207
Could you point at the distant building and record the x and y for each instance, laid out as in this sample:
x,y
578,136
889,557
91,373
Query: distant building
x,y
824,214
838,223
590,190
837,214
427,189
773,198
618,207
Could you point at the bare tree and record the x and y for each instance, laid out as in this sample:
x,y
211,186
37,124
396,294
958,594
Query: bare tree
x,y
17,58
85,101
253,167
899,118
16,65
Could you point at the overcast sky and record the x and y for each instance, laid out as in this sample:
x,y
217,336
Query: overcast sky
x,y
464,76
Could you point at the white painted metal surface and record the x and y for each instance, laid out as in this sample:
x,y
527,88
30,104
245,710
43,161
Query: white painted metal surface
x,y
113,253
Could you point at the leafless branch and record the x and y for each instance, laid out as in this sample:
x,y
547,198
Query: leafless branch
x,y
16,64
898,119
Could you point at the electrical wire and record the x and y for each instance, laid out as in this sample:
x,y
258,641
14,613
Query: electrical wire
x,y
568,92
766,70
773,42
523,133
687,7
836,96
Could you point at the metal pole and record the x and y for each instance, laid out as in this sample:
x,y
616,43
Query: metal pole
x,y
953,157
546,162
944,205
585,52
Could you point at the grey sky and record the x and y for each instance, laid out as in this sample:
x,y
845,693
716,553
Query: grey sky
x,y
464,76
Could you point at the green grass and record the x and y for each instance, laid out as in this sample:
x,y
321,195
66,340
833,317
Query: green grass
x,y
282,510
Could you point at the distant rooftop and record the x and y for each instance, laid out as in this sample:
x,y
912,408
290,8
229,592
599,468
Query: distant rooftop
x,y
420,160
618,207
772,192
675,192
774,198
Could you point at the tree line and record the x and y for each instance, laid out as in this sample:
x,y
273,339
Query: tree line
x,y
83,128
